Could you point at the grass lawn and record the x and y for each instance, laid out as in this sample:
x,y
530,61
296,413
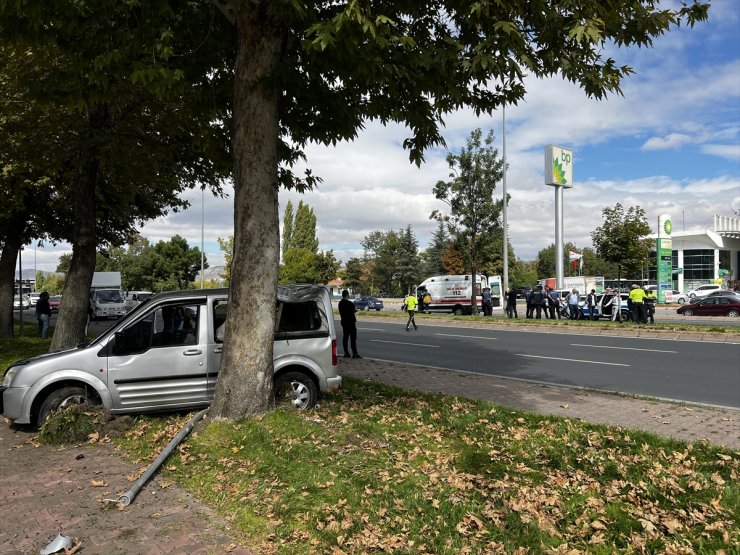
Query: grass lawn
x,y
376,469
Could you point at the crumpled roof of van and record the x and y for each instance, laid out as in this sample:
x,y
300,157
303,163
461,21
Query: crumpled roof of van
x,y
298,293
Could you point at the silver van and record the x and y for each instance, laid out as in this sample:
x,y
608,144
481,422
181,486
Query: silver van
x,y
166,353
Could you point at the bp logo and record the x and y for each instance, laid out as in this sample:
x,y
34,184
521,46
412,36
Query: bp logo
x,y
558,172
667,227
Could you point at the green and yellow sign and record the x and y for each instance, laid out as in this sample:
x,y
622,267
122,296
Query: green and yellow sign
x,y
663,252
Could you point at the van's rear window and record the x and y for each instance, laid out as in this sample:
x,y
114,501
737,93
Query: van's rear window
x,y
299,317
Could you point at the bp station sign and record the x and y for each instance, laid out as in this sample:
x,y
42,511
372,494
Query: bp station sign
x,y
663,251
558,166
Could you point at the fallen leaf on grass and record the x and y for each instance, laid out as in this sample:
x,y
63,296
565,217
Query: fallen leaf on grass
x,y
98,483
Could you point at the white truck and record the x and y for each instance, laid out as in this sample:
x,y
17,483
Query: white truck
x,y
106,296
452,293
135,298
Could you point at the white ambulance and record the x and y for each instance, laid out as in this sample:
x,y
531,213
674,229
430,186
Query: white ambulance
x,y
452,293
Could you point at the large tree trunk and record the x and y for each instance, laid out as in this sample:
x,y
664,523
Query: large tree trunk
x,y
244,385
70,329
8,259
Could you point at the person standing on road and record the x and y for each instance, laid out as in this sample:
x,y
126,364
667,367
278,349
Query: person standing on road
x,y
637,296
591,302
651,299
43,315
573,304
538,299
511,304
348,319
616,305
487,306
553,303
410,304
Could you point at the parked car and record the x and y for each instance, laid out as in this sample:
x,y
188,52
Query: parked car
x,y
703,290
55,302
24,302
680,298
368,303
165,355
603,309
718,305
724,293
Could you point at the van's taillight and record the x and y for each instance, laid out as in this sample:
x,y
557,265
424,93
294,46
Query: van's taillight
x,y
333,352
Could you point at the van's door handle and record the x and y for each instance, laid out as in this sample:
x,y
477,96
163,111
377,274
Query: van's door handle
x,y
192,352
218,350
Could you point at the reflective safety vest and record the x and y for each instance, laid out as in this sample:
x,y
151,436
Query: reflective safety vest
x,y
637,295
410,302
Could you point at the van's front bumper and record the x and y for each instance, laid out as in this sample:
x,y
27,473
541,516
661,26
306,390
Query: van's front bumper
x,y
11,404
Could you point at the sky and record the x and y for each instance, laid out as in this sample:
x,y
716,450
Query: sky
x,y
670,145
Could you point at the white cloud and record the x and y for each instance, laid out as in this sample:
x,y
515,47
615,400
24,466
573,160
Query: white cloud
x,y
684,100
731,152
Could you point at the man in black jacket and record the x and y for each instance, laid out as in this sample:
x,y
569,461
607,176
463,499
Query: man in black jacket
x,y
349,324
43,314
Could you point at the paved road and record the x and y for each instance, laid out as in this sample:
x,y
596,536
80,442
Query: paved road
x,y
693,371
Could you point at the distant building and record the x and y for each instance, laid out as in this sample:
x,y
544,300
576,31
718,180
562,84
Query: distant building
x,y
705,256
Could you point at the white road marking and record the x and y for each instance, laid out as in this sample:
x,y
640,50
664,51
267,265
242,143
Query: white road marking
x,y
405,343
622,348
573,360
466,336
370,329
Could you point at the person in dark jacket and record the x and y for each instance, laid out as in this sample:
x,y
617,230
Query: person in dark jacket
x,y
349,324
511,303
43,314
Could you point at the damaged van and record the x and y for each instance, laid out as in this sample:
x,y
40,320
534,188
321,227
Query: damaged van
x,y
166,353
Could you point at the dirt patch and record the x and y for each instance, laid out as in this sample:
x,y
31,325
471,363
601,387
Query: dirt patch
x,y
47,490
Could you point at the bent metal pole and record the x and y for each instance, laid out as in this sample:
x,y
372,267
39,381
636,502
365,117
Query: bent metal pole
x,y
126,498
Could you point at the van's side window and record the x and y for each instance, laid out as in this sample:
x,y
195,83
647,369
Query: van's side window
x,y
219,320
169,325
299,317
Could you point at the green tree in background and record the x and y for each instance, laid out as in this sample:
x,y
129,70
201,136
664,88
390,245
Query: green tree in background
x,y
621,239
53,283
354,276
302,261
408,261
472,210
133,101
432,263
287,228
227,247
176,264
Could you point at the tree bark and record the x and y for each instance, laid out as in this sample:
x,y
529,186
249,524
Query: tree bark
x,y
244,385
8,258
70,329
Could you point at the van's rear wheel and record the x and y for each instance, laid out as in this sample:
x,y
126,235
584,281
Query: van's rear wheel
x,y
296,389
62,398
458,311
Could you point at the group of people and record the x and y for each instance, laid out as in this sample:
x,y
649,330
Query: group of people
x,y
641,304
545,301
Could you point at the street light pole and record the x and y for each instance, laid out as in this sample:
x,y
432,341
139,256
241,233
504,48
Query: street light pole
x,y
505,280
202,236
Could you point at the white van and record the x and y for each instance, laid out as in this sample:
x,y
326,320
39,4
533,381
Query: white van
x,y
166,354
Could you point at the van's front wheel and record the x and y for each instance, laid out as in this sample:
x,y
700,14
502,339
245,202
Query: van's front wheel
x,y
297,389
60,399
